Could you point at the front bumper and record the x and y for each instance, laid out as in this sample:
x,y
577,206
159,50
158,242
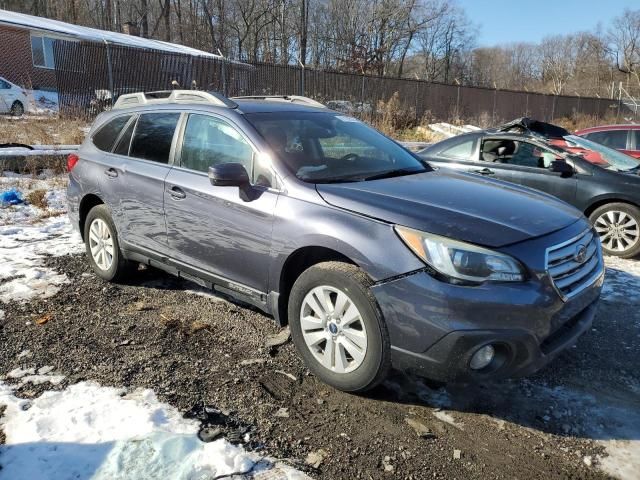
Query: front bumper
x,y
436,327
518,353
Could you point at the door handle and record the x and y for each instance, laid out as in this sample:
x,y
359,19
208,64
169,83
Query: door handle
x,y
111,172
177,193
484,171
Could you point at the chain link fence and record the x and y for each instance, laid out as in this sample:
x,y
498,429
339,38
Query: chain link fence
x,y
91,76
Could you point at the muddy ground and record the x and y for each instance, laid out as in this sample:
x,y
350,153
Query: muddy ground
x,y
193,350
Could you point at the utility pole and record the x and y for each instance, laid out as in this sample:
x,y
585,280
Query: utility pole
x,y
304,27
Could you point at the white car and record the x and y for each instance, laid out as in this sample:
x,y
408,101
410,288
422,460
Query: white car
x,y
13,99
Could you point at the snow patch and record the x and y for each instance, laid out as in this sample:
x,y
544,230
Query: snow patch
x,y
102,433
22,250
42,102
604,415
622,279
25,239
36,377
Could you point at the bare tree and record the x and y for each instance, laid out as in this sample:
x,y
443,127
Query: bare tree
x,y
624,36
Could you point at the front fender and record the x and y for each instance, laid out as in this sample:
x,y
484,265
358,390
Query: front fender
x,y
371,244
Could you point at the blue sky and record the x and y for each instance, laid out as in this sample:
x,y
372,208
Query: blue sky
x,y
505,21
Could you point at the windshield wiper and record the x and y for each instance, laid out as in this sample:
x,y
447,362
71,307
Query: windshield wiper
x,y
394,173
332,180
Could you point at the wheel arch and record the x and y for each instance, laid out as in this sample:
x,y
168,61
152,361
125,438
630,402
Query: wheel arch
x,y
604,201
86,204
297,262
18,102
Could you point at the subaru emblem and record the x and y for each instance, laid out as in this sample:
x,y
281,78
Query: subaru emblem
x,y
581,254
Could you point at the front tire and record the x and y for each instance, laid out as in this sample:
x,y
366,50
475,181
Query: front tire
x,y
618,225
337,327
102,246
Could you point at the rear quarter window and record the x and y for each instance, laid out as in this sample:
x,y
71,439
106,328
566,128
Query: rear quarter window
x,y
462,151
106,136
153,136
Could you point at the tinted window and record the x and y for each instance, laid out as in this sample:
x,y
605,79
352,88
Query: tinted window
x,y
106,136
4,85
463,150
209,141
153,136
613,138
125,140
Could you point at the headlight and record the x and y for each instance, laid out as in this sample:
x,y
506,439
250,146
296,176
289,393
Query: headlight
x,y
459,261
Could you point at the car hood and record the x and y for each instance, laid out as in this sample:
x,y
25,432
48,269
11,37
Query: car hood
x,y
457,205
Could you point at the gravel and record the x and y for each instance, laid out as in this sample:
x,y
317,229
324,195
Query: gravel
x,y
208,357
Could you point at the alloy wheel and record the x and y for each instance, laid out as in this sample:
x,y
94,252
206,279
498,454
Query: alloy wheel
x,y
618,230
333,329
101,244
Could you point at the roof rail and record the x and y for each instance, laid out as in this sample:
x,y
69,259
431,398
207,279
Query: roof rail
x,y
285,98
172,96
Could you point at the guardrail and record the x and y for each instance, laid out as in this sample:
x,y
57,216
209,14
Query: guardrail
x,y
18,150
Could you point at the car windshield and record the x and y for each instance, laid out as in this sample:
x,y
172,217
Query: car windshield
x,y
321,147
616,160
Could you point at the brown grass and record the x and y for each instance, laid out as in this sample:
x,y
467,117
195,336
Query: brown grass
x,y
42,130
392,117
37,198
580,121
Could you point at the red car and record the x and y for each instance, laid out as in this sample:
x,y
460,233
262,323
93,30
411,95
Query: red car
x,y
625,138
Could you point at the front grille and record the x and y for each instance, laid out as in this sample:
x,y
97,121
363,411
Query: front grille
x,y
569,273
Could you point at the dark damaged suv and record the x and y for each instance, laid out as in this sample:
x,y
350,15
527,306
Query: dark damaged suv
x,y
372,256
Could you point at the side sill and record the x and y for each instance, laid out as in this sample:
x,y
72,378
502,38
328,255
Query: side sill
x,y
218,284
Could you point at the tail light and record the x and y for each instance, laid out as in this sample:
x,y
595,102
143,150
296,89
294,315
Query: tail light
x,y
72,159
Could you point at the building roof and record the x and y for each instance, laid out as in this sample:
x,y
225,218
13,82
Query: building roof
x,y
58,28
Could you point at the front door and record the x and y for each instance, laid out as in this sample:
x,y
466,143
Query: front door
x,y
527,164
221,230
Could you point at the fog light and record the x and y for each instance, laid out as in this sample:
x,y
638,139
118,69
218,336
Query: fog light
x,y
482,357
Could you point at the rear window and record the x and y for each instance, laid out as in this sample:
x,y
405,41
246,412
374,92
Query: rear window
x,y
153,136
611,138
104,138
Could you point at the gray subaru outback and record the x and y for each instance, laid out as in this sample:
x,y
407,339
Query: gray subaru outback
x,y
373,257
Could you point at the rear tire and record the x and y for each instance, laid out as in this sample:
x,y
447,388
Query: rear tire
x,y
17,109
337,327
103,247
618,225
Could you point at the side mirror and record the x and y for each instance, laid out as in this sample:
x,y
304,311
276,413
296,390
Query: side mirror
x,y
228,175
560,166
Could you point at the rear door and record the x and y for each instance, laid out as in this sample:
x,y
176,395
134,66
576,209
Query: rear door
x,y
529,164
223,231
135,178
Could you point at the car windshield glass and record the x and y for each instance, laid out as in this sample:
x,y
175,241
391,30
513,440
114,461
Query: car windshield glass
x,y
616,160
327,147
